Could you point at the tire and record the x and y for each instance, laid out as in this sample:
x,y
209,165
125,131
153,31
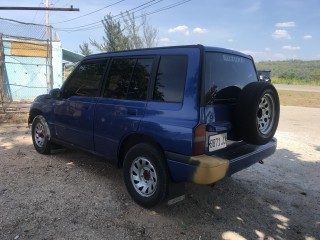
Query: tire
x,y
41,135
145,175
257,113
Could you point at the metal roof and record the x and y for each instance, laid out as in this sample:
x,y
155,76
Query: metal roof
x,y
71,56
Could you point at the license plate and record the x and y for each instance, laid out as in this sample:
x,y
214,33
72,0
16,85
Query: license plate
x,y
217,142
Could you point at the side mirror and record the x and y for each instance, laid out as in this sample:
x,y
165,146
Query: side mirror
x,y
55,93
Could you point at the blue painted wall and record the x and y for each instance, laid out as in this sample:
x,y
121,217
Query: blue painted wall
x,y
28,77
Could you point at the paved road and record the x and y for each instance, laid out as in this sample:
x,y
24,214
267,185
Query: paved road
x,y
300,88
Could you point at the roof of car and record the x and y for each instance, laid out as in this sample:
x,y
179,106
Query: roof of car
x,y
158,50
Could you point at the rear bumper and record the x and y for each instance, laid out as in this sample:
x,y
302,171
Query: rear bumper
x,y
204,169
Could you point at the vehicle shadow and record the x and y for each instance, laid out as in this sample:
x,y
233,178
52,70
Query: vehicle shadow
x,y
261,202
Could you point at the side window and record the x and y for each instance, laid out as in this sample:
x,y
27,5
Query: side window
x,y
86,80
128,78
140,79
171,77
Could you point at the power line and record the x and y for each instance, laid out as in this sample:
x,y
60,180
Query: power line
x,y
55,3
165,8
25,23
71,19
99,24
139,7
39,8
36,12
67,3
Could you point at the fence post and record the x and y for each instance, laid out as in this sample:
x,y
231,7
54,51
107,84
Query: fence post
x,y
1,74
50,58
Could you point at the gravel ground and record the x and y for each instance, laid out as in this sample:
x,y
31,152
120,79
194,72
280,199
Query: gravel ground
x,y
73,195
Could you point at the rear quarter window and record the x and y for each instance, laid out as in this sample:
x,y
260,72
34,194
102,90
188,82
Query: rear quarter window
x,y
170,80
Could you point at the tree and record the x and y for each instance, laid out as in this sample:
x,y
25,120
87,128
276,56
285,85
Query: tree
x,y
114,39
132,29
128,35
84,49
150,34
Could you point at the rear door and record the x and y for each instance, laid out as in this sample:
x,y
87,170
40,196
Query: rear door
x,y
73,114
122,106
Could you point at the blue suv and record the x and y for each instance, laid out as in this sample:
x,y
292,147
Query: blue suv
x,y
165,115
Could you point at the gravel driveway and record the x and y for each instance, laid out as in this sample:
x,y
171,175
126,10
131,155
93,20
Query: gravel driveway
x,y
72,195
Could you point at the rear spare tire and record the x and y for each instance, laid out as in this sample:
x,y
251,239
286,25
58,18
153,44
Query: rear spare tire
x,y
257,113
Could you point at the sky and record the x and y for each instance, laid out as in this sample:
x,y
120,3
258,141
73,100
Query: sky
x,y
269,30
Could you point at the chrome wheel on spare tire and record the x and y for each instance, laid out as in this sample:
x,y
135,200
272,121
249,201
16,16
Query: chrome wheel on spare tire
x,y
145,174
266,114
257,113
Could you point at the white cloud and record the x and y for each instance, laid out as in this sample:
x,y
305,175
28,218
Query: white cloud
x,y
267,49
289,47
254,7
307,37
230,40
265,56
165,42
200,30
181,28
277,34
286,24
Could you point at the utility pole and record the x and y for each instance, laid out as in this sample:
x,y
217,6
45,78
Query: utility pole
x,y
49,48
47,19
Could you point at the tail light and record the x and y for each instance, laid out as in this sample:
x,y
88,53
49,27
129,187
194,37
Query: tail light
x,y
199,140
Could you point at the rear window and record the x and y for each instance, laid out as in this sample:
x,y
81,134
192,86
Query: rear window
x,y
226,75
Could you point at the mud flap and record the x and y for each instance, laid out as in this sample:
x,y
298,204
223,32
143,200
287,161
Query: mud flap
x,y
176,193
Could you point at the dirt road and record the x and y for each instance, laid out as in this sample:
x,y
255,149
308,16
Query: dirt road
x,y
72,195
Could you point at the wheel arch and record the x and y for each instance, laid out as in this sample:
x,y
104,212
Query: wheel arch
x,y
33,113
133,139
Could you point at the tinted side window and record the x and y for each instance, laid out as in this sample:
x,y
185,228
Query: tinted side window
x,y
86,80
128,78
140,79
170,81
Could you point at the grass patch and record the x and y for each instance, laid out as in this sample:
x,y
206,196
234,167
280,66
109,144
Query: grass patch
x,y
14,118
301,99
276,80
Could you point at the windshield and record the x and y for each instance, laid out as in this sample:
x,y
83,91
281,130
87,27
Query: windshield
x,y
226,75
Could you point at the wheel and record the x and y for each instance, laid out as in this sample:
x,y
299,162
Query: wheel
x,y
41,135
145,175
257,113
